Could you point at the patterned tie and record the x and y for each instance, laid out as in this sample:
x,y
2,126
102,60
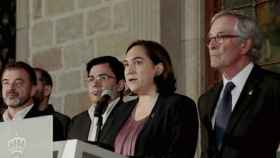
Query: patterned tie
x,y
223,113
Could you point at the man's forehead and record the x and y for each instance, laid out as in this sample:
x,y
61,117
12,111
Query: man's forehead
x,y
38,75
101,69
223,24
15,72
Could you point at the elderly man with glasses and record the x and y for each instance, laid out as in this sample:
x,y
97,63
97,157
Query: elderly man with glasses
x,y
240,115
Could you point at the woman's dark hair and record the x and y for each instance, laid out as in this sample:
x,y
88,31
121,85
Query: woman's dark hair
x,y
166,81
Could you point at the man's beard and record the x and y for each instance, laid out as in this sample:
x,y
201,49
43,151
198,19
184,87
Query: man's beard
x,y
38,97
12,102
15,102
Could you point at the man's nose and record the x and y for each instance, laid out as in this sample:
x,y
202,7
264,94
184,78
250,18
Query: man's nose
x,y
212,44
130,69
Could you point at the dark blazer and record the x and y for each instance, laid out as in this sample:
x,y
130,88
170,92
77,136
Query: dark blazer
x,y
253,129
61,122
170,131
80,125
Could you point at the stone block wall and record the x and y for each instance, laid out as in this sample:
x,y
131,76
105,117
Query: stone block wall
x,y
63,35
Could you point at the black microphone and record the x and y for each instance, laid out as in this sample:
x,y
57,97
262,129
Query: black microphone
x,y
102,103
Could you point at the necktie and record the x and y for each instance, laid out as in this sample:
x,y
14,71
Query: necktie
x,y
223,113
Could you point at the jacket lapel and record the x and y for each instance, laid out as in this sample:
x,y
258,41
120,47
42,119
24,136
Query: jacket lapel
x,y
209,105
247,95
213,99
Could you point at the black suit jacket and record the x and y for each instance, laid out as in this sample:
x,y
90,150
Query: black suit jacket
x,y
253,129
80,125
61,123
170,131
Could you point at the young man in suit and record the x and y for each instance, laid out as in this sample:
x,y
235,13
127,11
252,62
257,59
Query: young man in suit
x,y
42,96
240,115
104,73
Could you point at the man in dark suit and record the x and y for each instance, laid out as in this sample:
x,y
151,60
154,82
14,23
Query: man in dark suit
x,y
41,98
240,115
104,73
18,88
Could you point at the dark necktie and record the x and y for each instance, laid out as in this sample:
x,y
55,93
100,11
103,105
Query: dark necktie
x,y
223,113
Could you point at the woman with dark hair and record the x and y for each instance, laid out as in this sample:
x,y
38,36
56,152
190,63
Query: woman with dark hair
x,y
160,123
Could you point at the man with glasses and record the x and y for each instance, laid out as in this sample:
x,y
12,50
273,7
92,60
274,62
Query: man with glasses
x,y
240,115
105,73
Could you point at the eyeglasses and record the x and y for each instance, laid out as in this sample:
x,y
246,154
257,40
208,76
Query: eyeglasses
x,y
102,77
220,38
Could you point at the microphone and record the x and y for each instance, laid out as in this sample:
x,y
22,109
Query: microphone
x,y
102,103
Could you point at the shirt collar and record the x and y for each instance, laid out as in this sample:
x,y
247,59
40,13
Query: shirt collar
x,y
109,108
19,115
240,78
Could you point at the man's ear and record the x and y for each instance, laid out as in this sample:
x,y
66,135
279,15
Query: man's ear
x,y
246,46
47,90
159,69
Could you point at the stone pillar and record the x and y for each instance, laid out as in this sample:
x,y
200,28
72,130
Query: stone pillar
x,y
194,47
182,33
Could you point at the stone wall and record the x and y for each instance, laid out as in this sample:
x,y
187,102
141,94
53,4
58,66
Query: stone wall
x,y
61,36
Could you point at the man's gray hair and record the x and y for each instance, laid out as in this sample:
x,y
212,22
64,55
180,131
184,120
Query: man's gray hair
x,y
247,28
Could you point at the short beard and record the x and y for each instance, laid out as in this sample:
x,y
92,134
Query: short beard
x,y
38,97
16,102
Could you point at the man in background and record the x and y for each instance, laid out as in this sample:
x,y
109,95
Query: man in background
x,y
19,82
42,96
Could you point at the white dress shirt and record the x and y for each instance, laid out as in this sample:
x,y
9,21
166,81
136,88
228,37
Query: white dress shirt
x,y
93,127
18,116
239,81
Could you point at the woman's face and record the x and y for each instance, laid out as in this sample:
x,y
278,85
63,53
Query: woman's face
x,y
139,71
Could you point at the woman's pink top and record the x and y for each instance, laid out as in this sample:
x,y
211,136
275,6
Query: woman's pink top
x,y
127,137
